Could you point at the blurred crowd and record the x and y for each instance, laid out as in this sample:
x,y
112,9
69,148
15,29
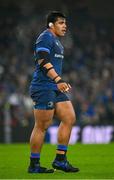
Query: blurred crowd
x,y
88,65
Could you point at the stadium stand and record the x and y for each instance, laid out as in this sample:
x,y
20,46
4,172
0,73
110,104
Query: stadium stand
x,y
89,66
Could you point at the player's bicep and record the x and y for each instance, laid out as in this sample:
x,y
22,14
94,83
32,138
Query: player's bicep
x,y
43,55
40,61
44,61
43,58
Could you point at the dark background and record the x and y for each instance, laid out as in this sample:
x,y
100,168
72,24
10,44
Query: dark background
x,y
88,66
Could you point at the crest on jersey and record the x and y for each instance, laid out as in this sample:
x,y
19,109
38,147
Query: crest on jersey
x,y
50,104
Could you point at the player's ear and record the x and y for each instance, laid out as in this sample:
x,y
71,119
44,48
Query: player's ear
x,y
50,24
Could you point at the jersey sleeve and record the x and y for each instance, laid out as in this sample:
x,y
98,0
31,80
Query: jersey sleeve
x,y
44,43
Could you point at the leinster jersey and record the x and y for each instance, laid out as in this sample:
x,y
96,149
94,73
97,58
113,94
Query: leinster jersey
x,y
51,44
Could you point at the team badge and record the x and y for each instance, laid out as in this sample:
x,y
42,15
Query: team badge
x,y
50,104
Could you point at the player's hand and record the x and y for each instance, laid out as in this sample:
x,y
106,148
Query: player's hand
x,y
63,86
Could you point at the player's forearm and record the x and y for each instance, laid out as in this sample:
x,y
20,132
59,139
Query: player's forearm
x,y
62,86
51,72
53,75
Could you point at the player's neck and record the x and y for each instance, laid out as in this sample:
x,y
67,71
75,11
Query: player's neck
x,y
52,32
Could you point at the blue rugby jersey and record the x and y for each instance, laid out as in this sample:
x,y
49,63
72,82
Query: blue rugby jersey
x,y
51,44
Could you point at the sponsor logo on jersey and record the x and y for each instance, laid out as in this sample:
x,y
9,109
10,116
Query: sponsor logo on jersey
x,y
59,56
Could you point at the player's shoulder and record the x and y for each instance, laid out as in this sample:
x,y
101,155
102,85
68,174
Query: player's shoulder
x,y
45,35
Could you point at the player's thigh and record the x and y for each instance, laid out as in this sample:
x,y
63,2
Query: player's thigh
x,y
65,112
44,105
43,118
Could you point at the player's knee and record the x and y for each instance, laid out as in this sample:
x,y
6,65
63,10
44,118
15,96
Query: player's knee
x,y
43,126
47,124
73,120
70,120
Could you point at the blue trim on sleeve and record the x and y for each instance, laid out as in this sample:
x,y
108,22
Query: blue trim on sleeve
x,y
42,49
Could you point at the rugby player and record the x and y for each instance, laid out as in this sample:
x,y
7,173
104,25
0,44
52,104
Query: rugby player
x,y
49,94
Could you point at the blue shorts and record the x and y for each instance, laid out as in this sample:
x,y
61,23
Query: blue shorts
x,y
46,99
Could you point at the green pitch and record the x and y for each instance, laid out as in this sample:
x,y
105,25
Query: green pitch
x,y
94,161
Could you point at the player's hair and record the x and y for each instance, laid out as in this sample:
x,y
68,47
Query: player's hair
x,y
53,16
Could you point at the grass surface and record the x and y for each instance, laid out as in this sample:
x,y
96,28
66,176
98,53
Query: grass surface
x,y
94,161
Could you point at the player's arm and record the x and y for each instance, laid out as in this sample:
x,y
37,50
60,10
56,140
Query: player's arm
x,y
49,70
